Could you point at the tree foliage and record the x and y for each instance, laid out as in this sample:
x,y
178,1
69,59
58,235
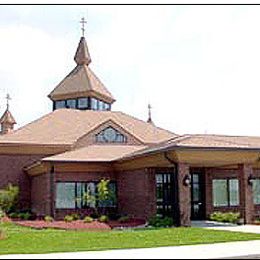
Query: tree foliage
x,y
9,198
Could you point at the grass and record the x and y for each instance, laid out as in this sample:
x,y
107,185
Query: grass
x,y
21,240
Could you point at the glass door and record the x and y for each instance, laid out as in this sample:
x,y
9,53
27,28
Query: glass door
x,y
166,198
198,205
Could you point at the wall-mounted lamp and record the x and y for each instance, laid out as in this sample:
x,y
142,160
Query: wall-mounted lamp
x,y
250,180
187,180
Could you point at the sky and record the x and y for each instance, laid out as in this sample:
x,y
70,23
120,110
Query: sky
x,y
198,66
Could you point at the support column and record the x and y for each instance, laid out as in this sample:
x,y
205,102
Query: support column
x,y
246,193
184,195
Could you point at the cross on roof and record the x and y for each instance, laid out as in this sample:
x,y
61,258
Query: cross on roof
x,y
8,98
149,113
83,22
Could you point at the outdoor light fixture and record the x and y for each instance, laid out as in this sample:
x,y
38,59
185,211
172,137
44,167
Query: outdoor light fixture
x,y
250,180
187,180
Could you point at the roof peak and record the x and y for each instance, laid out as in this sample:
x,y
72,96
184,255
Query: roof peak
x,y
82,56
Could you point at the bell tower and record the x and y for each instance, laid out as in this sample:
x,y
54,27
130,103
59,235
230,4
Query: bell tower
x,y
82,89
7,120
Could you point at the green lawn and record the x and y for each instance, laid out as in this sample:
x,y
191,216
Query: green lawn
x,y
22,240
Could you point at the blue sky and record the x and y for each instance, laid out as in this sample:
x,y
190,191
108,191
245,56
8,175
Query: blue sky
x,y
197,65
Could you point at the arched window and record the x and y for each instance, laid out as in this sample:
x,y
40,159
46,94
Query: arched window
x,y
110,135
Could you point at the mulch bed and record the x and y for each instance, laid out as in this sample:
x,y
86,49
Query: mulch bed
x,y
80,225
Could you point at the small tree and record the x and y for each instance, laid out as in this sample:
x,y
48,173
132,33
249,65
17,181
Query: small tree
x,y
103,195
8,198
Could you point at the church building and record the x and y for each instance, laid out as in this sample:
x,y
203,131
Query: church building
x,y
57,158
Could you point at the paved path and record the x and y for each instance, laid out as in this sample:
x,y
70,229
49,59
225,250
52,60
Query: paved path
x,y
212,251
227,227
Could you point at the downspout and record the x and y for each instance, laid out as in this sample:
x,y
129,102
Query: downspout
x,y
176,186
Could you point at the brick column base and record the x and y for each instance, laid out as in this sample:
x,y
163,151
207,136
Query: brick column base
x,y
184,195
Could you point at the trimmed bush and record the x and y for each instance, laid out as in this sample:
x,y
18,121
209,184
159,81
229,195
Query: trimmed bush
x,y
48,219
229,217
13,215
88,219
25,216
68,218
161,222
75,216
103,219
123,219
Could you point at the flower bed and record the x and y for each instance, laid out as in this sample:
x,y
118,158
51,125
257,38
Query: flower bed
x,y
80,225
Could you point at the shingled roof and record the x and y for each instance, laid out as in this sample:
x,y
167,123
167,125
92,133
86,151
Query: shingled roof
x,y
209,142
82,81
66,126
95,153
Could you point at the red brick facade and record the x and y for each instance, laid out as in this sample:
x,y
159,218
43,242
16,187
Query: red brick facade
x,y
137,193
11,171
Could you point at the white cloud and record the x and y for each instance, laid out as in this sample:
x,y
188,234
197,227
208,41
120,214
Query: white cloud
x,y
197,65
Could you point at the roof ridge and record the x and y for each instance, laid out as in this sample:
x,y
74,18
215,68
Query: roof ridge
x,y
140,120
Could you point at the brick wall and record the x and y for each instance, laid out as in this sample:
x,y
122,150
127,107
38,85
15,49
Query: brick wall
x,y
11,171
40,203
137,193
214,173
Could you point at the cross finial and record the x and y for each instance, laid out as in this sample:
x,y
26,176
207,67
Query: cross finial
x,y
83,22
149,113
8,98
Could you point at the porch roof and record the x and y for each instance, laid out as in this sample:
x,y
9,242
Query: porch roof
x,y
202,142
95,153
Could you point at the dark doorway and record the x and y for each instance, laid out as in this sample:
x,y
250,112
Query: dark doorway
x,y
166,193
198,192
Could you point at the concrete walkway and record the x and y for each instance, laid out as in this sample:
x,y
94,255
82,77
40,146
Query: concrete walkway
x,y
212,251
227,227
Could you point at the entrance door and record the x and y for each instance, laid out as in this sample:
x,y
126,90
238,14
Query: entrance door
x,y
166,194
198,203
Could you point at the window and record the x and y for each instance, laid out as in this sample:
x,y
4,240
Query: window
x,y
94,104
65,196
70,195
83,103
225,192
256,191
106,107
165,194
71,103
60,104
110,135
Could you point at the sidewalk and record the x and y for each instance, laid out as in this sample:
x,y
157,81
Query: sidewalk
x,y
211,251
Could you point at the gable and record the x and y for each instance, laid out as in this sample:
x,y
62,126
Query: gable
x,y
91,137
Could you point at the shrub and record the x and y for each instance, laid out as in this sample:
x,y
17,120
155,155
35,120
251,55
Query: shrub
x,y
48,219
25,216
161,222
2,214
75,216
68,218
88,219
103,219
123,219
14,215
8,198
229,217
